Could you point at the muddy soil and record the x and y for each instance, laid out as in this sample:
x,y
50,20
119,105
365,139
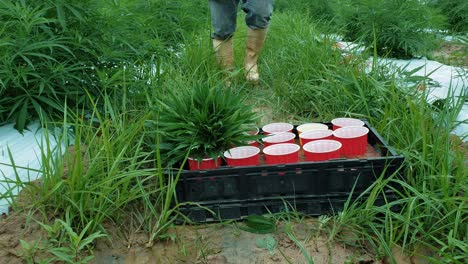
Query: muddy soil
x,y
214,244
210,244
16,227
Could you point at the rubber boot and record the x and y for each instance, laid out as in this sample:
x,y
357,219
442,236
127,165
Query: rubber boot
x,y
224,53
255,40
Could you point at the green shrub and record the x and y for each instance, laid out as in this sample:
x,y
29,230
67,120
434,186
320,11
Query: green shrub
x,y
456,12
142,27
400,28
55,51
39,69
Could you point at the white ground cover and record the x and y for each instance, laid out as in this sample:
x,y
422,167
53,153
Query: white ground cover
x,y
24,151
444,80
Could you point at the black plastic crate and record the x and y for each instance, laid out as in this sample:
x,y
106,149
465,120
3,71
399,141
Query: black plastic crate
x,y
309,205
237,192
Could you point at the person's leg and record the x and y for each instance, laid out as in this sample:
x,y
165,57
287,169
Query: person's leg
x,y
259,13
223,20
258,18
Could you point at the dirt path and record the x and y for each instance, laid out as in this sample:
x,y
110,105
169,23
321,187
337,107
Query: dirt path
x,y
225,244
16,227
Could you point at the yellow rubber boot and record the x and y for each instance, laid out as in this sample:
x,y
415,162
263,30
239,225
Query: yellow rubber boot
x,y
224,53
255,40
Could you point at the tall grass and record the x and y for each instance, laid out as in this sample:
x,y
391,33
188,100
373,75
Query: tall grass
x,y
101,178
116,172
309,73
430,213
311,80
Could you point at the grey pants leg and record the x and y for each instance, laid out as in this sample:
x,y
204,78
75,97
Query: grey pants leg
x,y
224,13
223,18
258,13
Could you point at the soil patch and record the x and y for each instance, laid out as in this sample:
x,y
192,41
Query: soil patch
x,y
226,244
293,242
452,53
16,227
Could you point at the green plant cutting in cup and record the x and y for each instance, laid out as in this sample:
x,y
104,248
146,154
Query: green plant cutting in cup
x,y
204,121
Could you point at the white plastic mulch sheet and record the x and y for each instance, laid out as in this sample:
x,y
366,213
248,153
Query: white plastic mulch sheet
x,y
444,81
25,150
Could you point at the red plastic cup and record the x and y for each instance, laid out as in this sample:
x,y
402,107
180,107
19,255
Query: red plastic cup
x,y
242,156
277,138
346,122
282,153
320,150
310,127
254,143
277,128
313,135
204,164
353,139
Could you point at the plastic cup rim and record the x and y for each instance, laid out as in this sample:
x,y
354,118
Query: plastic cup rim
x,y
267,149
347,118
279,123
257,151
304,135
337,147
311,125
205,159
364,132
256,131
291,135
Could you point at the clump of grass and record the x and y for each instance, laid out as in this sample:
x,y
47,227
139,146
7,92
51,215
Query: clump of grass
x,y
317,10
310,75
456,12
107,172
400,28
204,121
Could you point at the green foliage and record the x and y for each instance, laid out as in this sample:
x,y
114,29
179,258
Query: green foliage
x,y
39,70
72,46
400,28
105,177
143,28
30,250
317,10
456,12
259,224
203,120
55,51
97,178
76,242
323,82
